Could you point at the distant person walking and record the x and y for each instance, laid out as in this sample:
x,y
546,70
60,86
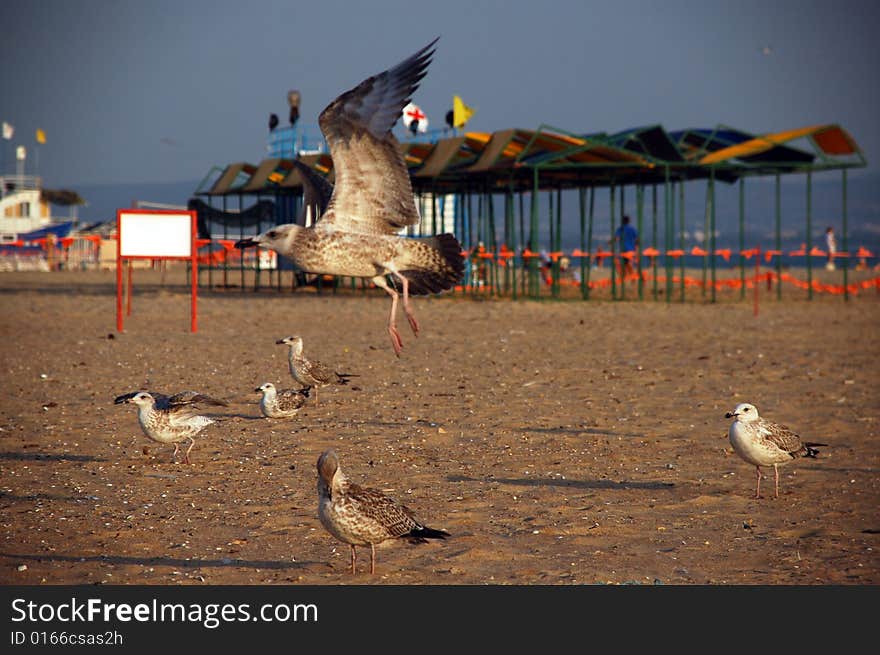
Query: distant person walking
x,y
831,245
628,237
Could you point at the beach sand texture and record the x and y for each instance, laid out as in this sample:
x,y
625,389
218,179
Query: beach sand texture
x,y
558,442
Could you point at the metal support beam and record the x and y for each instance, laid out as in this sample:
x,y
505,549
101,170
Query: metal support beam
x,y
809,235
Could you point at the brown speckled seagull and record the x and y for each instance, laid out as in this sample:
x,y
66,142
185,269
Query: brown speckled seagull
x,y
764,443
170,419
307,372
363,517
372,201
281,403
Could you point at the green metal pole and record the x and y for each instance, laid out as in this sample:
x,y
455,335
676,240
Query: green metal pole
x,y
481,219
590,239
622,264
845,243
671,230
778,237
471,242
433,212
654,237
613,247
521,271
742,238
470,219
668,239
533,238
493,239
552,224
640,213
712,237
509,231
809,235
225,236
681,237
557,265
241,236
583,246
706,231
490,241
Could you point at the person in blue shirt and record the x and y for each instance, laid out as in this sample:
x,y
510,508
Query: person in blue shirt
x,y
628,237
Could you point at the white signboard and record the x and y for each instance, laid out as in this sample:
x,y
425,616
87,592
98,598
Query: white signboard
x,y
145,234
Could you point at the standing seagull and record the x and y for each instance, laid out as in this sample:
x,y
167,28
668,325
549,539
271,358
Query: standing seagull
x,y
170,419
281,403
307,372
364,517
765,443
357,235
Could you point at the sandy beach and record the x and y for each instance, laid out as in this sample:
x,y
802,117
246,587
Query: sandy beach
x,y
558,442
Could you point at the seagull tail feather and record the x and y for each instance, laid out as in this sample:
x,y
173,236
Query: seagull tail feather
x,y
421,534
436,264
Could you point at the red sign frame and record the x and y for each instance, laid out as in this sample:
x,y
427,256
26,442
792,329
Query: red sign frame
x,y
120,261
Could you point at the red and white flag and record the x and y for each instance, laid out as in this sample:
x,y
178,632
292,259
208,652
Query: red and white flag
x,y
412,112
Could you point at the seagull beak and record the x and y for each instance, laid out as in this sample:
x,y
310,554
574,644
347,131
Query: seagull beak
x,y
279,342
730,415
258,389
246,243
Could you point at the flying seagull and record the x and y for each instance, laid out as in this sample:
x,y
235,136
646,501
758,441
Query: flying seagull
x,y
364,517
764,443
358,233
316,193
170,419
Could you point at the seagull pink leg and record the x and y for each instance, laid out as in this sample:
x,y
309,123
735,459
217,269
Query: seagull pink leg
x,y
353,559
192,442
776,472
174,456
410,316
372,559
396,341
758,489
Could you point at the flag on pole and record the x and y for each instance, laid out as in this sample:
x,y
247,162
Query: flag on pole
x,y
8,131
412,113
41,136
461,113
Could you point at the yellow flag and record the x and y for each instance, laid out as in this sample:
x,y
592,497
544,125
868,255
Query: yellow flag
x,y
461,113
41,136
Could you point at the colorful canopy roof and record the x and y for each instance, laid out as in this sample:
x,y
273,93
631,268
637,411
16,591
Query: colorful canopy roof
x,y
512,158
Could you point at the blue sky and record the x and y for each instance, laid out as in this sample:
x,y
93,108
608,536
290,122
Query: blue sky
x,y
162,91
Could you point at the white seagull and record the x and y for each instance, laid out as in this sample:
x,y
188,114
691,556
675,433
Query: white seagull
x,y
281,403
170,419
372,200
308,372
764,443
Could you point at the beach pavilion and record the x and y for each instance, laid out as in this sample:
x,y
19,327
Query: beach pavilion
x,y
487,189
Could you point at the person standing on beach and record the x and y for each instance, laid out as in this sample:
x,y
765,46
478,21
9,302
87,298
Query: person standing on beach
x,y
628,237
831,244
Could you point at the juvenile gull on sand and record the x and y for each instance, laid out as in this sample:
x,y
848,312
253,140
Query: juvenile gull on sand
x,y
170,419
363,517
764,443
372,200
281,403
307,372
